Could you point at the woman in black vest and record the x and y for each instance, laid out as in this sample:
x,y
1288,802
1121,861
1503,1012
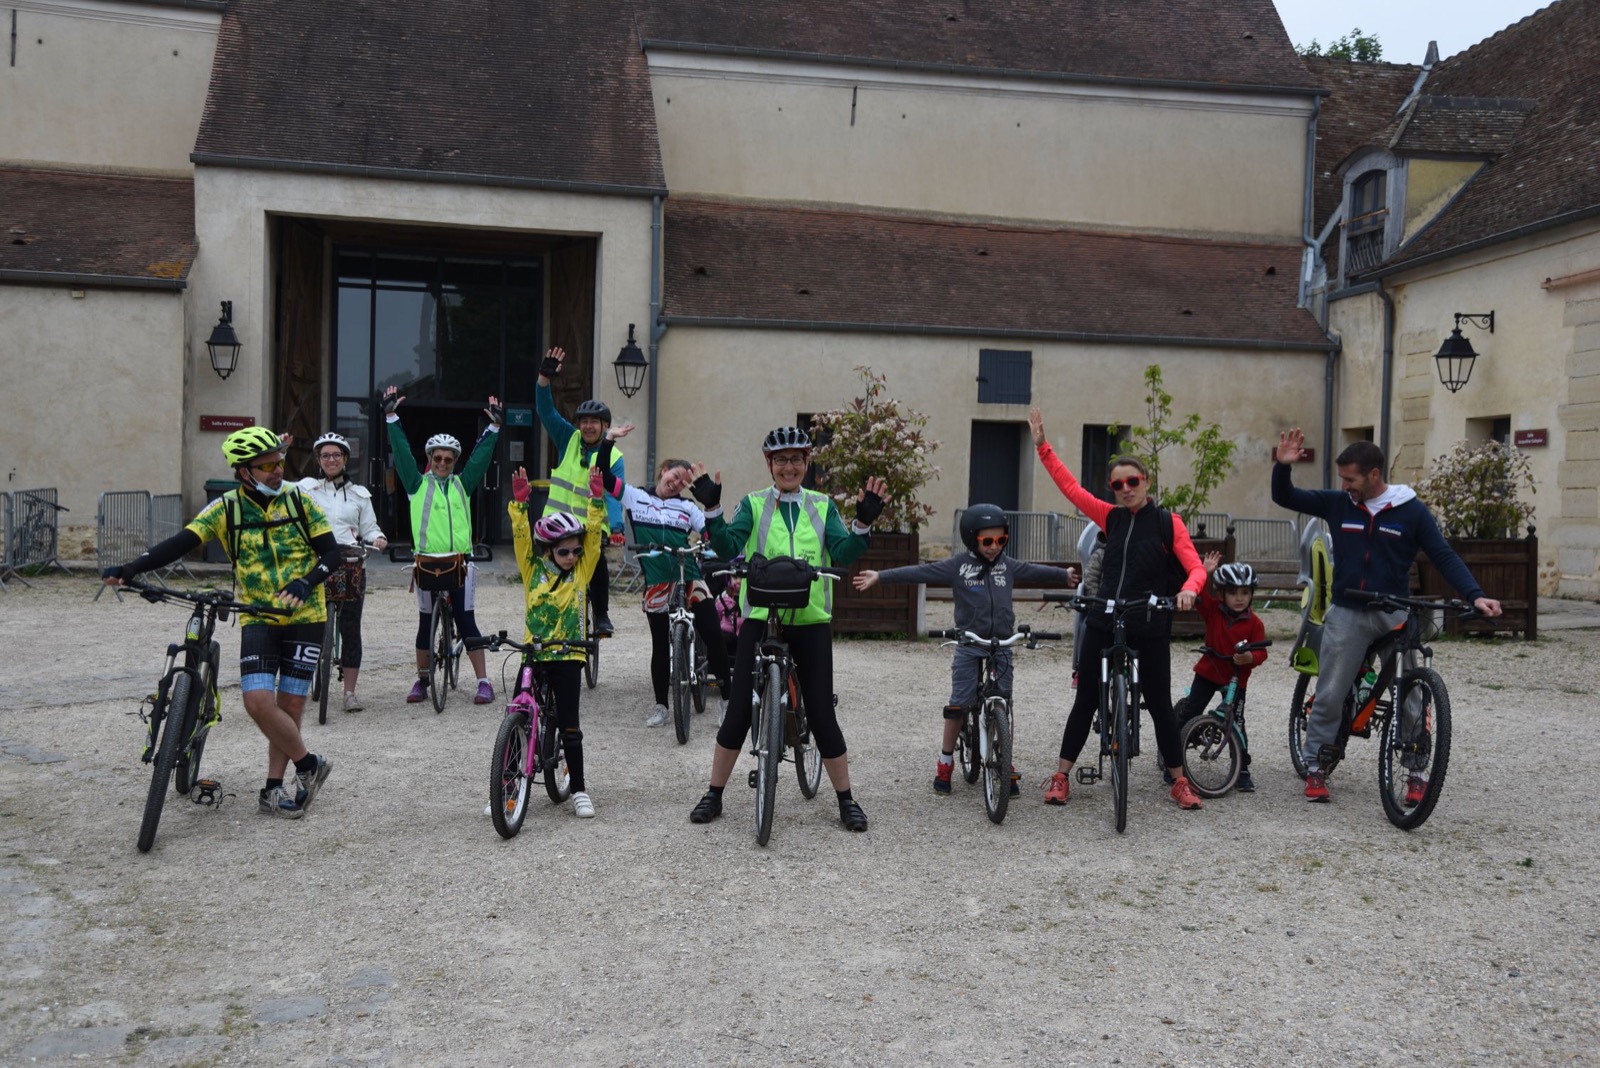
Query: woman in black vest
x,y
1142,540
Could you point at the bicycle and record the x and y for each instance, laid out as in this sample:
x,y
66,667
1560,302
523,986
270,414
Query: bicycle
x,y
188,689
328,666
984,746
780,717
591,664
1213,741
1119,692
444,650
530,714
1397,673
686,649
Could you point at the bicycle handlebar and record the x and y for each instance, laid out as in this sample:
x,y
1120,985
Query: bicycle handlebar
x,y
223,602
1024,634
741,569
494,642
1242,647
1392,601
1084,602
702,549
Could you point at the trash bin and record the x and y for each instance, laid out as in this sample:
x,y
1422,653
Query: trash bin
x,y
216,487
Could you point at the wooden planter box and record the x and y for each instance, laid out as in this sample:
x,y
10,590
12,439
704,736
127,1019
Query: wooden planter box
x,y
882,609
1508,571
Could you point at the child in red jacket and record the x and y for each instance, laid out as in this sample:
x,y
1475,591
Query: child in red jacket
x,y
1229,621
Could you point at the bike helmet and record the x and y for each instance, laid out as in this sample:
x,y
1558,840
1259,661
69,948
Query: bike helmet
x,y
242,446
786,437
330,438
442,441
1235,576
981,517
555,526
595,408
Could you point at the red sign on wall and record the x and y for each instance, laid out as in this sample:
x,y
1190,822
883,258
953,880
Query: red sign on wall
x,y
1522,439
226,423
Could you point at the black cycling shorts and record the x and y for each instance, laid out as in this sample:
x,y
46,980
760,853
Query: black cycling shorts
x,y
279,658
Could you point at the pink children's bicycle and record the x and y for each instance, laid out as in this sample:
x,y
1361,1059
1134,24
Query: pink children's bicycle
x,y
530,718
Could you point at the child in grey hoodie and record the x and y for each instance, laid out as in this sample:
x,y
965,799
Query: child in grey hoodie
x,y
981,578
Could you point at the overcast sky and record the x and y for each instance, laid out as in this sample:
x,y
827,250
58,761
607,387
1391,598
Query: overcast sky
x,y
1404,27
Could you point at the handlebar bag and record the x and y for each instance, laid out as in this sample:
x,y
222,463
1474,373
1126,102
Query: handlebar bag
x,y
778,582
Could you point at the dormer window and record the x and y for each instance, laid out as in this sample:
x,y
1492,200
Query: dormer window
x,y
1368,217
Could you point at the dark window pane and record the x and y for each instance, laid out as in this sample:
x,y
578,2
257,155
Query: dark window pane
x,y
350,419
466,273
404,343
469,355
355,267
407,271
353,352
522,344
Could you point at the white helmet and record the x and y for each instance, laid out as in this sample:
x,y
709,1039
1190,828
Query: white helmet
x,y
330,438
442,441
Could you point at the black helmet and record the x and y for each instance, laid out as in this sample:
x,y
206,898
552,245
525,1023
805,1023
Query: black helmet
x,y
786,437
596,408
981,517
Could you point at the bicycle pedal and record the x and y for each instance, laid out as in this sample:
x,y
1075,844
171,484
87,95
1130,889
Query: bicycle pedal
x,y
752,778
1088,776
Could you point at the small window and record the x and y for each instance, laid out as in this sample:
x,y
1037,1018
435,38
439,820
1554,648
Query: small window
x,y
1005,377
1369,202
1489,428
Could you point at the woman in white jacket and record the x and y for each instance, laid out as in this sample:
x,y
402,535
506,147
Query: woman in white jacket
x,y
349,510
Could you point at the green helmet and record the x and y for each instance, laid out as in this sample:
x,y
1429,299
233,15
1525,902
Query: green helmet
x,y
242,446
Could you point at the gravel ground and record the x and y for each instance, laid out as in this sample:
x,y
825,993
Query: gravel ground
x,y
393,926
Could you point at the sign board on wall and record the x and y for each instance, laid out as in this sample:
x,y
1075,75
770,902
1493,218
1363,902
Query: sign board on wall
x,y
226,424
1523,439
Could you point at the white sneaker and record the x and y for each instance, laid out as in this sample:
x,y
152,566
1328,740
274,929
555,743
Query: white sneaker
x,y
658,718
582,807
352,703
488,810
722,713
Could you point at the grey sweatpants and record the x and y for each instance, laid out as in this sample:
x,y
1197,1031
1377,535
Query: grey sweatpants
x,y
1346,634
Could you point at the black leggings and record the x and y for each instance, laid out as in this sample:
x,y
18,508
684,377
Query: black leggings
x,y
1155,689
566,685
811,647
710,631
350,632
466,622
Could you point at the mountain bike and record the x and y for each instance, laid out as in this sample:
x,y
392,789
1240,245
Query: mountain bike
x,y
328,666
686,649
1397,674
530,717
779,717
984,746
1213,741
1119,691
185,707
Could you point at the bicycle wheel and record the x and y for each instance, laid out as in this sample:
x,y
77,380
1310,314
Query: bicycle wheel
x,y
508,780
1305,691
330,631
439,651
967,747
1212,757
187,770
1416,749
180,701
682,705
996,741
552,757
1119,750
701,661
591,663
807,761
769,751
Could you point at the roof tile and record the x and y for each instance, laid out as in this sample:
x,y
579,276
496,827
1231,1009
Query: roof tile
x,y
115,227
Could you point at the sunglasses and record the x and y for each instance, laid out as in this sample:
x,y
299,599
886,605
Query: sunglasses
x,y
988,543
1132,482
564,554
268,467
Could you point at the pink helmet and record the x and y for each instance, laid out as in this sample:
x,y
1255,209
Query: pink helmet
x,y
555,526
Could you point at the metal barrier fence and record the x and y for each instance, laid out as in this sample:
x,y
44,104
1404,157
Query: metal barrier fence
x,y
1266,539
6,533
1214,524
122,528
166,519
1054,536
32,532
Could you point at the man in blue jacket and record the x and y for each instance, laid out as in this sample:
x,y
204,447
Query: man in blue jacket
x,y
1377,529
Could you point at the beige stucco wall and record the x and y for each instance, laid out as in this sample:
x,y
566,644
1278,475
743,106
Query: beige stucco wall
x,y
982,146
103,84
93,397
235,263
764,378
1430,183
1540,367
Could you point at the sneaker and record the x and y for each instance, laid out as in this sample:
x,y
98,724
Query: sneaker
x,y
582,807
1316,786
1057,790
1245,785
1016,782
1184,794
722,711
1416,790
709,808
851,816
352,703
488,811
311,782
277,802
659,718
603,627
484,695
419,692
941,777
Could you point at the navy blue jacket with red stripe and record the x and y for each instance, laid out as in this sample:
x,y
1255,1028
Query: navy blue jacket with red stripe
x,y
1374,552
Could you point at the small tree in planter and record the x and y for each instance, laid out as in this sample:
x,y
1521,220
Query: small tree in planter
x,y
1211,453
1474,491
876,435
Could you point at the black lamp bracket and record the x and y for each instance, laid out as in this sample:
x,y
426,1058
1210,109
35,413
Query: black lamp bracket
x,y
1481,320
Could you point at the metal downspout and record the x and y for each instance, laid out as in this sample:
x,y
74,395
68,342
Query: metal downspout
x,y
1308,236
656,330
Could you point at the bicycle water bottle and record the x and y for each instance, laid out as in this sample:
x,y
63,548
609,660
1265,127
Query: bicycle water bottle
x,y
1369,679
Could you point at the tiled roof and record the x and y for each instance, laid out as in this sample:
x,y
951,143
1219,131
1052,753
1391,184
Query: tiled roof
x,y
552,94
1363,99
1551,167
735,263
1242,42
95,228
1468,125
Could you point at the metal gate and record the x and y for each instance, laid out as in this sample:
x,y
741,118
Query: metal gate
x,y
122,528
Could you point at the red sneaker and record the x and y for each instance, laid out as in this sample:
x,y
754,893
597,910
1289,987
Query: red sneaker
x,y
1416,789
1056,790
941,778
1184,794
1316,786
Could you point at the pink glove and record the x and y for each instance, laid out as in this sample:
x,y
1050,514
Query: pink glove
x,y
617,539
521,489
597,483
